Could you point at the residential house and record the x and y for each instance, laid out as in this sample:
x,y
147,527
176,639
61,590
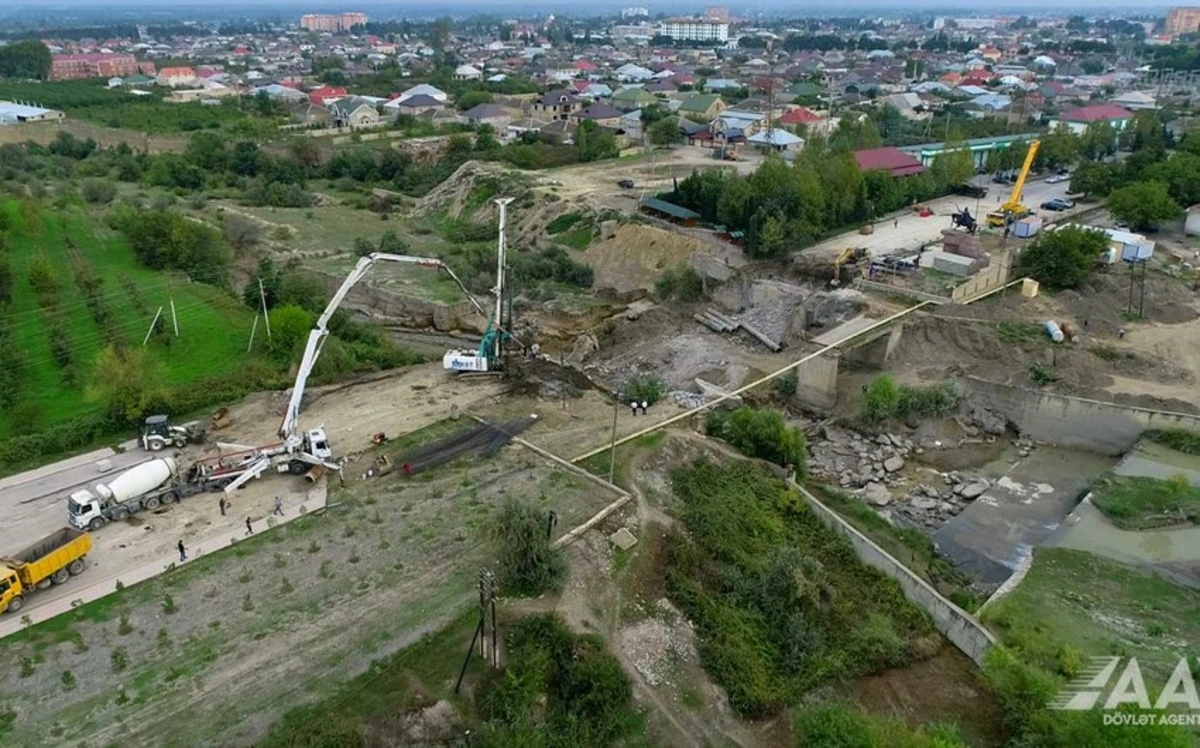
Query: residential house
x,y
281,93
467,73
325,94
414,105
517,128
1135,101
354,113
308,113
721,84
558,104
909,105
600,113
1077,120
701,107
732,124
631,124
488,114
423,89
175,77
630,73
802,117
896,162
988,104
775,139
628,99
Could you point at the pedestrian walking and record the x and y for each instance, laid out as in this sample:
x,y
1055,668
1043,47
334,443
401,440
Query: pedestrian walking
x,y
896,223
279,506
644,406
223,503
408,468
633,406
249,527
1120,333
182,552
1085,323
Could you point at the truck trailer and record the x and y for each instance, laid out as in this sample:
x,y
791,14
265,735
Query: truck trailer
x,y
52,560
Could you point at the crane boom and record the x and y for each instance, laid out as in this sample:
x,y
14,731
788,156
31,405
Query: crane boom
x,y
317,336
1014,200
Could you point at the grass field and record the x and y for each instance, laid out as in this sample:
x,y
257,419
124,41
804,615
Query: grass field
x,y
1135,503
214,327
1073,605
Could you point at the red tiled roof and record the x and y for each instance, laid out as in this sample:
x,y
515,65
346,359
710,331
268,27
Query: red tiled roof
x,y
584,65
799,116
1097,113
899,163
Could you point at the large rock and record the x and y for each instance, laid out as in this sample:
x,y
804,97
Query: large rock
x,y
893,464
988,420
924,503
974,490
877,494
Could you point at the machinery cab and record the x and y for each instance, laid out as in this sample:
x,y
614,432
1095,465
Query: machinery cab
x,y
84,511
156,433
316,443
10,589
464,361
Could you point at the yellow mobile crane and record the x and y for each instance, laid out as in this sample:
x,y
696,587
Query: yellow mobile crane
x,y
1014,210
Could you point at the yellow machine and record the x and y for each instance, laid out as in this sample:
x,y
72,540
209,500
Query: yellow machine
x,y
1014,210
848,256
53,559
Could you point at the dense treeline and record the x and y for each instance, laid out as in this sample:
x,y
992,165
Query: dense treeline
x,y
25,59
784,207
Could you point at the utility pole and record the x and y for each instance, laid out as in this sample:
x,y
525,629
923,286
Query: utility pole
x,y
262,296
487,599
612,454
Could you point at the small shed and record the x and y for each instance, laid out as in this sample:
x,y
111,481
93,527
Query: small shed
x,y
945,262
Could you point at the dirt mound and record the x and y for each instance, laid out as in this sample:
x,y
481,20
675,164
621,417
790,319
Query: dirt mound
x,y
634,255
472,185
937,347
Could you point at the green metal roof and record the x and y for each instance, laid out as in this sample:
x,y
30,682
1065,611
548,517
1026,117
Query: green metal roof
x,y
671,209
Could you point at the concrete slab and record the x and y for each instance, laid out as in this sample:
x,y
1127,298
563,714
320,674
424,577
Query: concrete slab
x,y
847,329
1022,509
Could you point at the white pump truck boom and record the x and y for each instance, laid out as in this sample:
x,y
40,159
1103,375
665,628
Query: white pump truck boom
x,y
302,451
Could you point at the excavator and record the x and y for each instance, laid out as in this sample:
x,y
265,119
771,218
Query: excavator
x,y
848,256
1014,210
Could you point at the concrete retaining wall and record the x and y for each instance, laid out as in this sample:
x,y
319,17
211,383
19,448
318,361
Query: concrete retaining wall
x,y
1076,422
961,628
816,382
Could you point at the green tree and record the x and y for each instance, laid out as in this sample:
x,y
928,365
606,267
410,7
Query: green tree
x,y
290,326
529,566
470,99
1095,180
1065,258
1143,205
246,159
1059,148
593,143
207,151
126,381
1098,141
763,434
952,166
664,132
25,59
165,240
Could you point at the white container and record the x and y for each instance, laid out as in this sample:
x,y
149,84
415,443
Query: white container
x,y
1054,331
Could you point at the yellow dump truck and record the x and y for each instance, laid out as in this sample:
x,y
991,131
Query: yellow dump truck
x,y
52,560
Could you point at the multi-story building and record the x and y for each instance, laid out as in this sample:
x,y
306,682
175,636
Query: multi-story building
x,y
333,23
75,67
1183,21
694,30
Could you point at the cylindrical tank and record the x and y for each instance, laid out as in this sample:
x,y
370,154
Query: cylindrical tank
x,y
138,480
1054,331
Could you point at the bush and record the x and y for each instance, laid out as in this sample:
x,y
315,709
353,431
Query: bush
x,y
1064,258
98,191
682,284
843,726
643,389
761,433
557,689
1180,440
563,223
885,400
240,232
528,566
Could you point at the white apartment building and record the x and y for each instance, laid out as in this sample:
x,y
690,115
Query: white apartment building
x,y
694,29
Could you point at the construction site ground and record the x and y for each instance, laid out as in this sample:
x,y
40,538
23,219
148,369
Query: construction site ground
x,y
208,653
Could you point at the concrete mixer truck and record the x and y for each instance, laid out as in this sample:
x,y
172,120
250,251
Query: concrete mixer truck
x,y
145,486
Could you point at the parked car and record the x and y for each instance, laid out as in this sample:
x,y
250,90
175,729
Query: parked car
x,y
967,189
1058,204
1059,178
625,184
1000,178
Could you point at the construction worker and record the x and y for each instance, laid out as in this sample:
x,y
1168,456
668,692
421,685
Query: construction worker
x,y
408,468
182,552
278,506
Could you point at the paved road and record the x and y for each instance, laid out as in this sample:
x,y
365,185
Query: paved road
x,y
906,232
34,503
